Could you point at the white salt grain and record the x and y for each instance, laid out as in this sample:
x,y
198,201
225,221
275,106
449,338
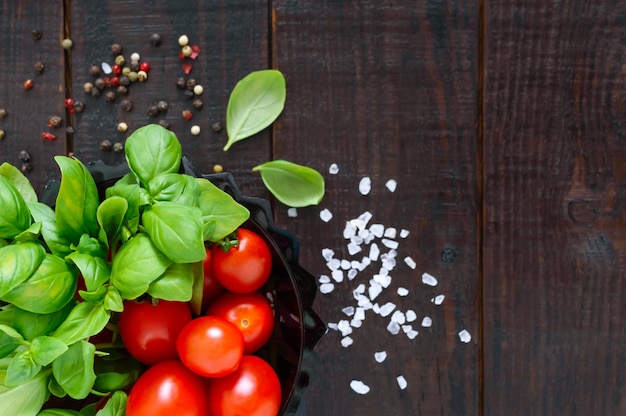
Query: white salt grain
x,y
346,342
390,243
429,279
359,387
374,252
360,288
349,230
356,323
380,356
337,276
374,290
410,315
352,274
359,313
398,316
326,215
410,262
407,328
344,326
292,212
390,232
334,264
401,382
365,217
345,264
327,288
348,310
354,248
383,279
391,185
438,300
332,325
402,291
465,336
328,254
412,334
393,328
365,185
378,230
324,279
387,308
333,169
404,233
427,322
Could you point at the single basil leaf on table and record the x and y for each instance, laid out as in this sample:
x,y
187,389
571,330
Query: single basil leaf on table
x,y
52,236
21,182
137,264
21,369
176,284
85,320
151,151
32,325
47,290
74,369
221,214
27,398
77,201
292,184
46,349
256,102
176,230
174,187
17,263
14,215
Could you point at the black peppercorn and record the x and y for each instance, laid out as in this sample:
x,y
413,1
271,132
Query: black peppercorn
x,y
39,67
95,91
153,111
181,83
216,126
164,123
190,83
134,66
26,167
24,156
124,80
189,94
94,70
155,39
162,105
122,90
116,49
106,145
197,104
110,96
79,106
3,113
99,83
126,105
37,34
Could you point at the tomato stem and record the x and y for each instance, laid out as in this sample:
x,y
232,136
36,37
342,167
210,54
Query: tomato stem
x,y
228,242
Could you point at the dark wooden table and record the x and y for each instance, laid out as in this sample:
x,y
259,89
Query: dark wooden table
x,y
502,122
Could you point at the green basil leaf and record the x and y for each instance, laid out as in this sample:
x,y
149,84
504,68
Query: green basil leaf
x,y
176,284
21,369
113,300
174,187
96,297
292,184
21,182
111,214
85,320
95,270
25,399
132,194
32,325
30,234
55,389
14,215
52,236
221,214
58,412
17,263
151,151
256,102
8,344
11,332
77,201
137,264
116,406
90,245
47,290
112,381
74,369
197,269
44,350
176,230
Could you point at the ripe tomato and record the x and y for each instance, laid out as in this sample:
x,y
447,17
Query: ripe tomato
x,y
212,288
210,346
253,389
165,389
245,267
149,331
250,312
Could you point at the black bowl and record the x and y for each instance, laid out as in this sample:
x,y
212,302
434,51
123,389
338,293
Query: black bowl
x,y
291,289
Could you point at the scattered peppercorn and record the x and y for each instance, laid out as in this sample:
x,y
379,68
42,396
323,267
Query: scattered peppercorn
x,y
26,167
39,67
99,83
79,106
183,40
115,82
187,115
68,103
96,92
118,147
3,113
191,83
110,96
48,136
216,126
198,90
122,90
218,169
162,105
125,71
66,44
144,66
124,80
24,156
135,57
188,94
37,34
155,39
116,49
181,83
117,70
186,51
132,76
153,111
106,145
142,76
94,70
122,127
126,105
28,84
197,104
119,60
2,134
87,87
54,122
195,130
165,124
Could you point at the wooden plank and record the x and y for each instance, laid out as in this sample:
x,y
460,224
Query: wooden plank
x,y
29,111
232,37
388,91
554,261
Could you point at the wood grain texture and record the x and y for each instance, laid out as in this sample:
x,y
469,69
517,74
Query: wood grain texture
x,y
233,38
29,111
388,90
554,202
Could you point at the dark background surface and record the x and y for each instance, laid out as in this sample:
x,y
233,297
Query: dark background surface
x,y
503,123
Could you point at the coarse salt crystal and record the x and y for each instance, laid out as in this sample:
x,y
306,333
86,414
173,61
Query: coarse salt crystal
x,y
438,300
390,232
387,308
374,252
354,248
410,315
292,212
376,308
355,264
465,336
360,288
365,185
349,230
398,316
359,313
356,323
383,279
393,328
344,326
337,276
365,217
402,383
352,273
390,243
427,322
429,279
407,328
345,264
402,291
346,342
333,169
106,68
412,334
332,325
380,356
391,185
404,233
324,279
365,261
327,288
364,302
374,290
334,264
378,230
326,215
410,262
359,387
348,310
328,254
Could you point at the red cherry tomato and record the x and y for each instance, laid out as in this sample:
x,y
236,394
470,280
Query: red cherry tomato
x,y
250,312
212,288
165,389
245,267
253,389
149,331
210,346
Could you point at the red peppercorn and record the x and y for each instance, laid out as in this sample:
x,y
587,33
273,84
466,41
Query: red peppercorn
x,y
69,103
28,84
117,70
115,82
107,82
195,51
144,66
48,136
181,56
187,68
187,115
